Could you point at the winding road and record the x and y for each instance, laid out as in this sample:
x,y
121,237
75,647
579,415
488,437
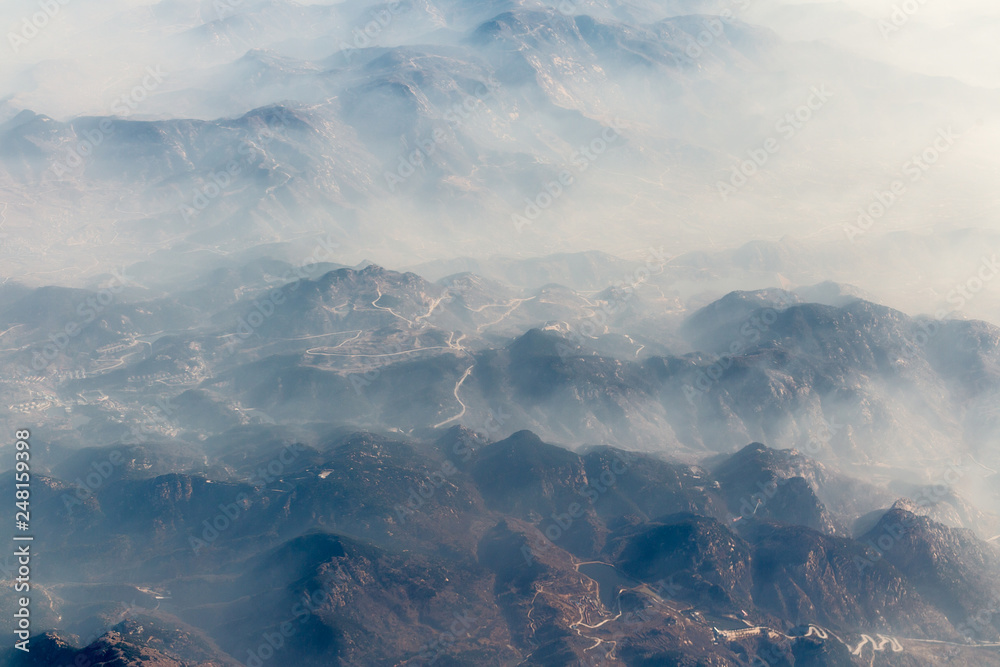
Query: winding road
x,y
516,304
357,335
387,354
879,645
11,329
982,466
375,305
468,371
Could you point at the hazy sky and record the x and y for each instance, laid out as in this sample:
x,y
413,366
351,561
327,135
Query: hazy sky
x,y
88,52
938,37
89,56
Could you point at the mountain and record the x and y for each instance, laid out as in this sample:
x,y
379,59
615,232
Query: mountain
x,y
948,565
460,119
500,332
857,383
363,545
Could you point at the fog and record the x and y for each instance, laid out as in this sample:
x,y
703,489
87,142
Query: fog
x,y
935,38
755,144
689,118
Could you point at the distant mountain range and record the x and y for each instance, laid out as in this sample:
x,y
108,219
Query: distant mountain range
x,y
341,468
443,127
856,382
502,332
